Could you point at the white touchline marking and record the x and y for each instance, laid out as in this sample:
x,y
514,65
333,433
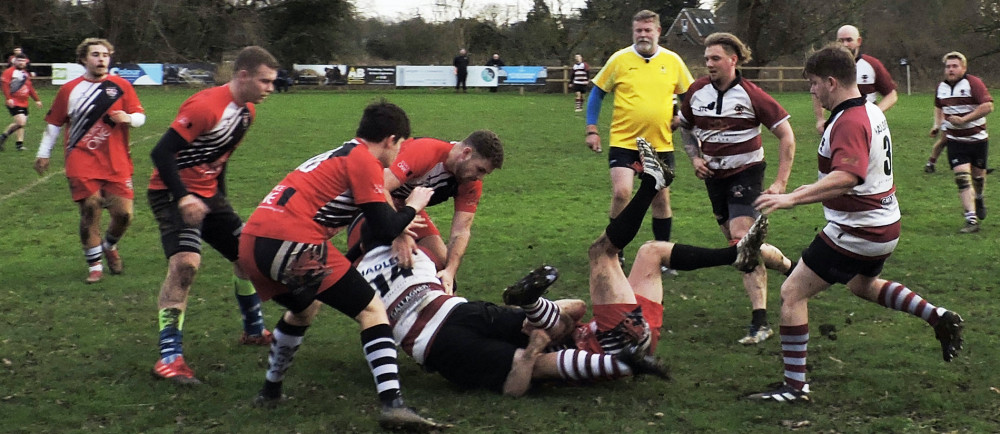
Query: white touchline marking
x,y
41,180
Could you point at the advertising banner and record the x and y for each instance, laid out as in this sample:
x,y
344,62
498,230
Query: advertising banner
x,y
523,75
189,73
63,73
444,76
382,75
319,74
139,74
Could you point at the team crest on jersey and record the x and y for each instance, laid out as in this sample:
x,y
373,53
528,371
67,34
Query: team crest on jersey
x,y
111,92
245,118
888,200
963,92
378,189
709,107
864,77
739,108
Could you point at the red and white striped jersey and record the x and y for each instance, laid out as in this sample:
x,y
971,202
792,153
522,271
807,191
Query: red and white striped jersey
x,y
864,222
414,299
873,79
960,99
727,122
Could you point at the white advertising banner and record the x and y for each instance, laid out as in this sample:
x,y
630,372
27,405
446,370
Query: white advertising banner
x,y
443,76
63,73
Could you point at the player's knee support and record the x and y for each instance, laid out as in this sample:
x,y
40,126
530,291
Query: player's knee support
x,y
963,180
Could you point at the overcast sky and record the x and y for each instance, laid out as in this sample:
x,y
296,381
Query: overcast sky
x,y
444,10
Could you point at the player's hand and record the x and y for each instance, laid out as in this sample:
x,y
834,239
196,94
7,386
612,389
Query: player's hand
x,y
403,249
38,104
777,187
594,142
41,165
418,222
193,210
419,198
820,125
768,203
120,117
447,281
954,119
10,102
701,169
934,131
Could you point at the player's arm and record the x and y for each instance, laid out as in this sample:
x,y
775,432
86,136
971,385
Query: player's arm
x,y
461,234
888,100
164,155
938,119
820,115
49,138
980,111
836,184
786,157
386,223
594,102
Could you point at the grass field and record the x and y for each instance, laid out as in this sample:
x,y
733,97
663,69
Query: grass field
x,y
76,357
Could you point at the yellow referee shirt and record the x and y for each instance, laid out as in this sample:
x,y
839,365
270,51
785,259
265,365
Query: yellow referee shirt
x,y
644,90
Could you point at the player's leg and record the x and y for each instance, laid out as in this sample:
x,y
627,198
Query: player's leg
x,y
88,197
540,313
979,172
947,324
354,297
182,247
935,152
22,121
221,229
119,201
663,215
14,126
755,284
961,165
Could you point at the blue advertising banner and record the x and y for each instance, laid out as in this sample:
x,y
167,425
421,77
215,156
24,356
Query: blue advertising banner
x,y
523,75
139,73
189,73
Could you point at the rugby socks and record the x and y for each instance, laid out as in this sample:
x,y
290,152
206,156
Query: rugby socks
x,y
684,257
287,339
661,228
19,145
249,301
171,324
895,296
623,227
543,313
579,365
794,341
380,352
579,103
110,242
758,317
93,257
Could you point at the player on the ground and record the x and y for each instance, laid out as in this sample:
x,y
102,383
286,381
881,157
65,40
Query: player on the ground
x,y
187,193
99,110
720,127
286,251
863,221
15,82
454,170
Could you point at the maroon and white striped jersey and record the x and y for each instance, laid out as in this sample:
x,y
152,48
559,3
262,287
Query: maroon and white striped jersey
x,y
727,122
960,99
414,299
864,222
581,73
873,79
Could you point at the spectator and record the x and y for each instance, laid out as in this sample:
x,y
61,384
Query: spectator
x,y
461,64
